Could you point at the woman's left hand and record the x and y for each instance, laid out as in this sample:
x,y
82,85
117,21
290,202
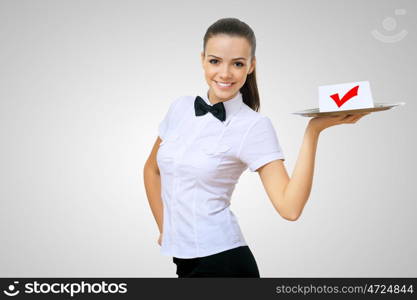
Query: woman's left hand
x,y
321,123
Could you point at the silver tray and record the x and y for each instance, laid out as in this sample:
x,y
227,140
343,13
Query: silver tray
x,y
315,112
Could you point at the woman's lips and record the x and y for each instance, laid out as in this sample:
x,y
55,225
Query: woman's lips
x,y
222,86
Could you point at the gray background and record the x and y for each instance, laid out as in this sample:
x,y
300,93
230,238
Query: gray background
x,y
84,85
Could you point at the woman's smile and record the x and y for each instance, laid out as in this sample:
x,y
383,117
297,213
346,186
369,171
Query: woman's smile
x,y
224,85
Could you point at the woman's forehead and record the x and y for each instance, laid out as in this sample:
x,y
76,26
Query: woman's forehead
x,y
225,46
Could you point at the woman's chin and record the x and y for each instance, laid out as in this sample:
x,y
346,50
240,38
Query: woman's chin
x,y
222,94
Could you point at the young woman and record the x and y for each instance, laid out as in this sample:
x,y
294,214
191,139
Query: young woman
x,y
205,143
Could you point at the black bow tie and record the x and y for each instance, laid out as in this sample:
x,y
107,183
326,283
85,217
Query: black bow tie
x,y
201,108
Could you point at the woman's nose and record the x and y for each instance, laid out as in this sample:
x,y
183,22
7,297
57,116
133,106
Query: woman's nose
x,y
225,72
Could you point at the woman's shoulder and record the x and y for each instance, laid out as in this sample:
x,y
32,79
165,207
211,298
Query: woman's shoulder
x,y
178,102
182,100
251,116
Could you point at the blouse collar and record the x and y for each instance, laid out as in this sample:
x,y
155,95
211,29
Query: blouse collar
x,y
231,106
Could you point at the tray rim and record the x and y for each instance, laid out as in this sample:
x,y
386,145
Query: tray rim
x,y
379,106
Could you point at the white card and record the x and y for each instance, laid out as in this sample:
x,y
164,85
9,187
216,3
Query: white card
x,y
345,96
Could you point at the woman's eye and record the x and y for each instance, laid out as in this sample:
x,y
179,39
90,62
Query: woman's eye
x,y
213,61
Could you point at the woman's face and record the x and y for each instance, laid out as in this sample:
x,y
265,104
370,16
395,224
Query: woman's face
x,y
226,65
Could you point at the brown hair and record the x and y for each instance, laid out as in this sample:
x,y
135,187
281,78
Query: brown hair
x,y
235,27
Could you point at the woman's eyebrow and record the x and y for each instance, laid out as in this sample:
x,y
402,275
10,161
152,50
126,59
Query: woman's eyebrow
x,y
232,59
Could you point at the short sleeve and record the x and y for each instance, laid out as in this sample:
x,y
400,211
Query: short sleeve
x,y
260,145
167,121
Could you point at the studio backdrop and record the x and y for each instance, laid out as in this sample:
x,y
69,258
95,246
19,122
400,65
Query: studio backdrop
x,y
84,85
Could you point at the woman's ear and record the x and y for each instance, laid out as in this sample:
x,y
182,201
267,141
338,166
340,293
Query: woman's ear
x,y
253,64
202,58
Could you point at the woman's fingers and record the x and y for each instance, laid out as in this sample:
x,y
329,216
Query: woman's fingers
x,y
342,118
338,118
322,123
354,118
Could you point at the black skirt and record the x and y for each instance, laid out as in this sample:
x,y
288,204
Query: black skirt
x,y
236,262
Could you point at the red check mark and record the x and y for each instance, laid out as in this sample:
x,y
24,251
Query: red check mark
x,y
349,95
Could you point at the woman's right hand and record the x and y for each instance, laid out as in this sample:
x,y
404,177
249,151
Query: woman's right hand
x,y
160,239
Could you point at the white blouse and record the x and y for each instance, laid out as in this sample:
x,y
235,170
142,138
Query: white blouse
x,y
200,160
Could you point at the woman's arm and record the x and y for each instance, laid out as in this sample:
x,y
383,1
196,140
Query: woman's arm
x,y
298,189
152,180
289,195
